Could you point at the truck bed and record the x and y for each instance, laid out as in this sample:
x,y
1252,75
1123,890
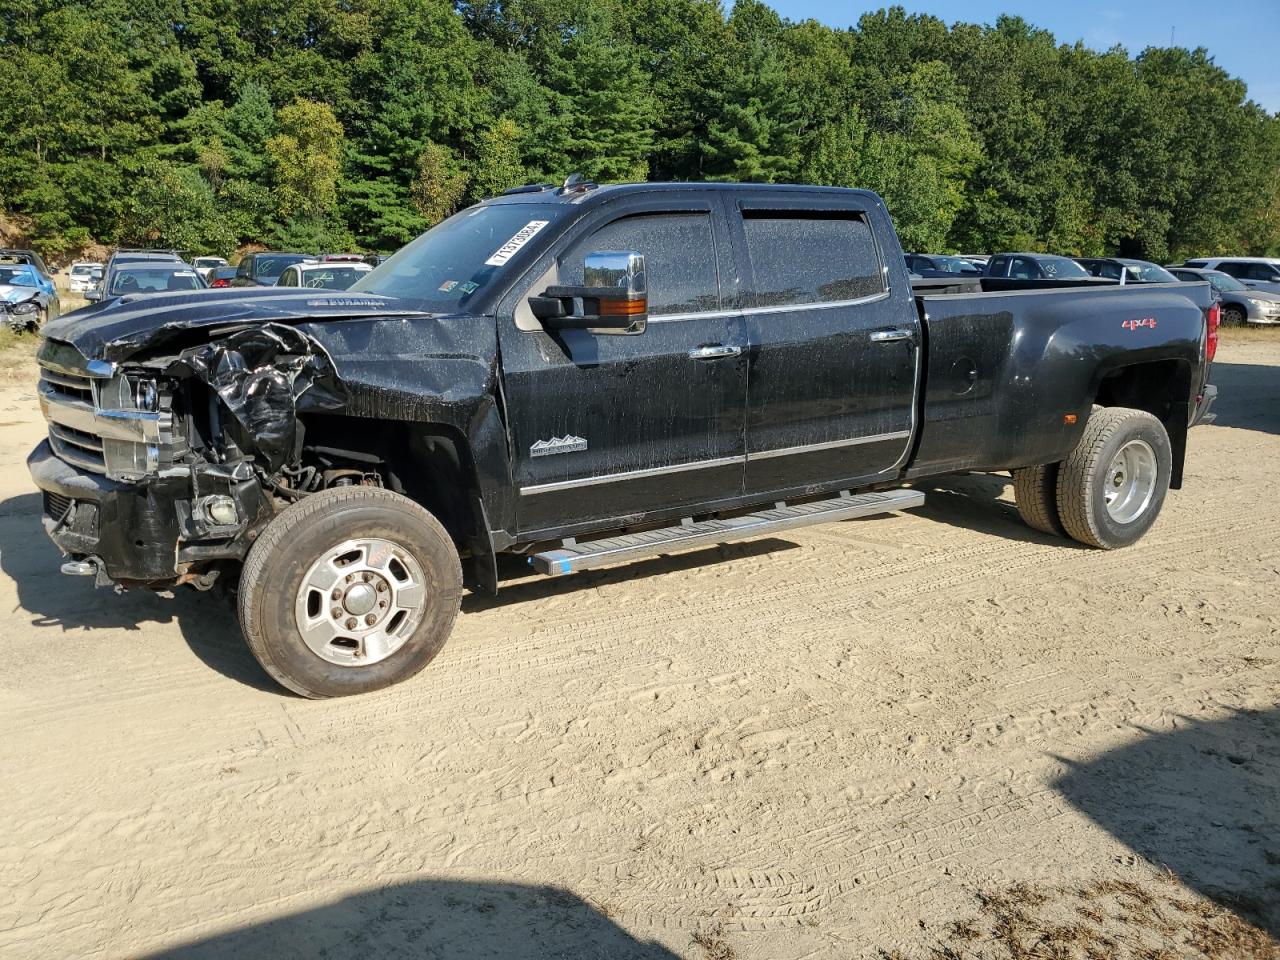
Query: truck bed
x,y
1011,374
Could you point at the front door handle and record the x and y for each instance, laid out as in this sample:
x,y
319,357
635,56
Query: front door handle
x,y
714,351
889,336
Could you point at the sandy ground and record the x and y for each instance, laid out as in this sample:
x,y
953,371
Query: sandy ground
x,y
875,738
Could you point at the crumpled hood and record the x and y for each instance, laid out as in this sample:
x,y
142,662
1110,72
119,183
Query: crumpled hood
x,y
12,294
119,328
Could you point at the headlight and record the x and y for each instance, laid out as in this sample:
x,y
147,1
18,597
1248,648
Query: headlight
x,y
24,308
146,395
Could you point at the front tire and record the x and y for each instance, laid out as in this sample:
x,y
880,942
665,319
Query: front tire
x,y
1113,484
349,590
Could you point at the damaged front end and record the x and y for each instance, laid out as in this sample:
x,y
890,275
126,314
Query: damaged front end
x,y
159,470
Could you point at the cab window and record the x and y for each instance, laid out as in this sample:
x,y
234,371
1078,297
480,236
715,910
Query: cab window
x,y
679,258
798,257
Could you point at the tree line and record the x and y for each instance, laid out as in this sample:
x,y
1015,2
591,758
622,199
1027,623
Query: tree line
x,y
309,124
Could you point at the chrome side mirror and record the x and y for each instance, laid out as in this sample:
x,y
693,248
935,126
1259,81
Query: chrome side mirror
x,y
613,298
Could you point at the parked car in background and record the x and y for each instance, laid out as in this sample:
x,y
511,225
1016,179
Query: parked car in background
x,y
146,272
264,269
1262,273
206,265
80,276
220,276
11,255
324,276
340,258
940,265
1240,304
1126,270
1034,266
977,258
27,299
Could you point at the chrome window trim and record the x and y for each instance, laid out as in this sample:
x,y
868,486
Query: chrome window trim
x,y
629,475
828,445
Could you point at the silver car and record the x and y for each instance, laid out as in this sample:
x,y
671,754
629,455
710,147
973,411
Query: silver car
x,y
1240,304
27,300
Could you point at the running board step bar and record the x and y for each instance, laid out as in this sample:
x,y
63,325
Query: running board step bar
x,y
572,556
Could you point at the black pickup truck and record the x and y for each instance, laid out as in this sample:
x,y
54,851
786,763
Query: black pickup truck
x,y
580,376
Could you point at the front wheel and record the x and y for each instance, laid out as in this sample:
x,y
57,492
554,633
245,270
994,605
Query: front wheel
x,y
349,590
1113,484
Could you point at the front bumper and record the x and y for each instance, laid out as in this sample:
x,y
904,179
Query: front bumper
x,y
146,532
1262,313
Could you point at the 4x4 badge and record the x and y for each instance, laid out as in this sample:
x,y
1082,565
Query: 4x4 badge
x,y
569,444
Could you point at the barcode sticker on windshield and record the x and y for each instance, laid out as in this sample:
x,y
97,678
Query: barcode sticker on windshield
x,y
512,246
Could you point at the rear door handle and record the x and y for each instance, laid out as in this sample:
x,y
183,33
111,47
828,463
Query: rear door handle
x,y
889,336
714,351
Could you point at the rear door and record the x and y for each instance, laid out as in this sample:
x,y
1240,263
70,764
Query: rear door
x,y
834,357
607,427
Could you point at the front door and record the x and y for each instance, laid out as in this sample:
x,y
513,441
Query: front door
x,y
833,356
610,428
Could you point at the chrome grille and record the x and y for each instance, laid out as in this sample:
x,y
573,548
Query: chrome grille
x,y
94,421
69,385
78,446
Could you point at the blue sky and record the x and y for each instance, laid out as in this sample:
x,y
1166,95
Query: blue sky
x,y
1243,36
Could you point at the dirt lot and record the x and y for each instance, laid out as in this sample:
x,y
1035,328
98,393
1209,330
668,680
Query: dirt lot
x,y
893,737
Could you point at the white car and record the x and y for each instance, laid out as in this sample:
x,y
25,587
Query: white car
x,y
1261,273
338,275
206,265
81,276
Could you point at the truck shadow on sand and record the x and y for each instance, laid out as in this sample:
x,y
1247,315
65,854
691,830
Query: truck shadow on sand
x,y
1202,799
1248,396
207,621
435,918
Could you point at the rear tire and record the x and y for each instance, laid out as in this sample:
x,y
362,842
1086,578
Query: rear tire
x,y
1113,484
1035,490
349,590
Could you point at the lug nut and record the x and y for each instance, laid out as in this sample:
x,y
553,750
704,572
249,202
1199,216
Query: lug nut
x,y
336,595
382,604
371,619
337,614
382,586
351,624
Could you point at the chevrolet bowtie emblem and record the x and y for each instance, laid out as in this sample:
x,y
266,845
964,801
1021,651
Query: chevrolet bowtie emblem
x,y
569,444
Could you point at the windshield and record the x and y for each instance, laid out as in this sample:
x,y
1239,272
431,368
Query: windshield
x,y
81,270
270,267
1223,281
955,265
153,280
453,262
334,278
1060,268
1145,272
17,276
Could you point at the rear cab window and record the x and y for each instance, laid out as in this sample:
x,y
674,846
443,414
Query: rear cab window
x,y
801,257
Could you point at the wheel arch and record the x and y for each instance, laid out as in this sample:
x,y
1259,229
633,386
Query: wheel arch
x,y
431,463
1161,388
